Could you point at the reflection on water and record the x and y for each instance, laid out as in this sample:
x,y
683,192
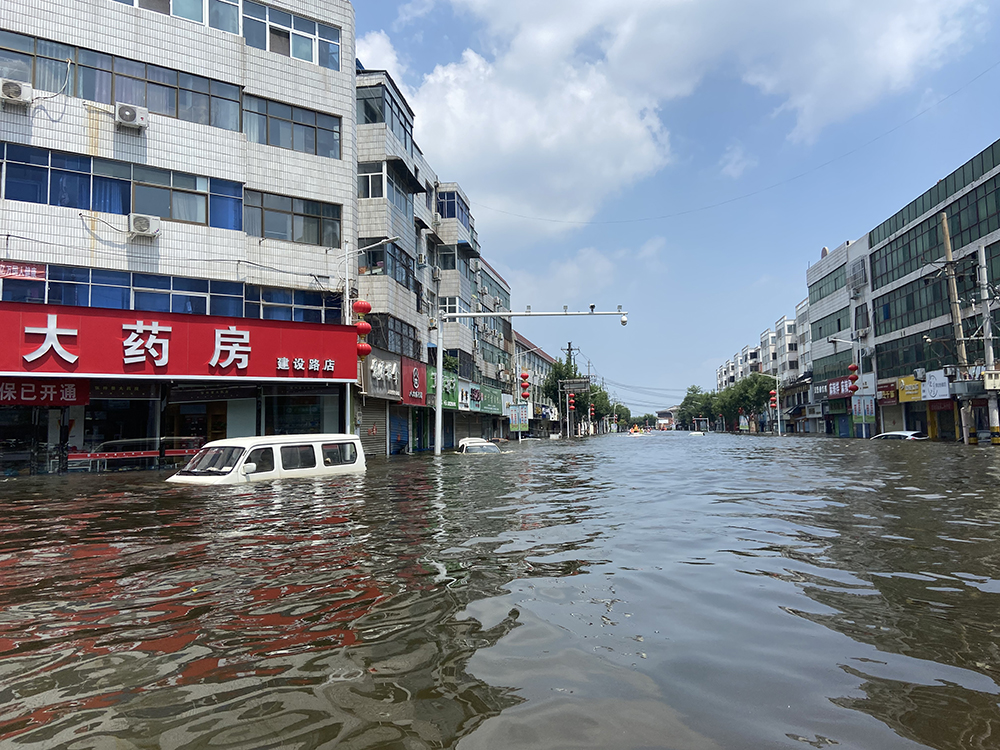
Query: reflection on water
x,y
631,593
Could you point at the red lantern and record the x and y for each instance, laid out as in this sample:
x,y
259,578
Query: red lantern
x,y
363,328
572,408
525,395
773,393
363,350
524,376
572,396
853,377
362,307
852,388
852,367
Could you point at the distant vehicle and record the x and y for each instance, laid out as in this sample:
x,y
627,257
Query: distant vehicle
x,y
902,435
477,445
255,459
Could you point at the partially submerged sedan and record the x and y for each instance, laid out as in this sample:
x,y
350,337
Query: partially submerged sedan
x,y
255,459
902,435
477,445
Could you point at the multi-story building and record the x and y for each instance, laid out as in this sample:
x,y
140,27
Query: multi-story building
x,y
178,190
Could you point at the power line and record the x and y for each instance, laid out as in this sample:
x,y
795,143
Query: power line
x,y
752,193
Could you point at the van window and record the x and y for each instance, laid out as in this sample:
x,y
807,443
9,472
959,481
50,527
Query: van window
x,y
263,457
339,453
297,457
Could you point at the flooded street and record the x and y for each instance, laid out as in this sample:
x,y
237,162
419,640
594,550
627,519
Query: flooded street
x,y
655,592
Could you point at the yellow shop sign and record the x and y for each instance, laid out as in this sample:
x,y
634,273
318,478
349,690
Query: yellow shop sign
x,y
909,389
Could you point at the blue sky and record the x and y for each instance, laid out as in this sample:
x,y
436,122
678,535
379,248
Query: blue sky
x,y
687,159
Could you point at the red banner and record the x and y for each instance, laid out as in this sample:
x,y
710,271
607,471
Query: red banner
x,y
414,382
48,392
13,269
838,388
54,340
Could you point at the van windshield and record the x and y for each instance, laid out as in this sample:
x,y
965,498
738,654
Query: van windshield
x,y
216,460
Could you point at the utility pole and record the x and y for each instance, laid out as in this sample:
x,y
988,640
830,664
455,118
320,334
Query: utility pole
x,y
984,293
956,317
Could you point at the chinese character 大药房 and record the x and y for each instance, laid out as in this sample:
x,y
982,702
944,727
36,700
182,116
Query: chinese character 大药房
x,y
139,345
52,332
234,344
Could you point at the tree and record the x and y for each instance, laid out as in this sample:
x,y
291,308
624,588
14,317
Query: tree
x,y
559,371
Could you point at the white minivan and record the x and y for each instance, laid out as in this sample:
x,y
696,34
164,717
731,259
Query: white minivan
x,y
255,459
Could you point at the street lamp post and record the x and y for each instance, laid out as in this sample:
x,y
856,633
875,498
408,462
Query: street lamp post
x,y
446,316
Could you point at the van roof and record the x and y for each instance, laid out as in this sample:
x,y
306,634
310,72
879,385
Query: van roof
x,y
246,442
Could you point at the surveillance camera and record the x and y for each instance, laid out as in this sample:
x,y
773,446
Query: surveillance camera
x,y
593,307
624,320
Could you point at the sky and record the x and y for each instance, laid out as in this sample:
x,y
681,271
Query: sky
x,y
686,159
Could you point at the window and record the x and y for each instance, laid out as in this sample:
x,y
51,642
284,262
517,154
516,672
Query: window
x,y
451,205
298,457
393,335
339,453
370,180
262,458
37,175
398,195
294,219
392,261
291,36
121,290
377,104
275,124
828,284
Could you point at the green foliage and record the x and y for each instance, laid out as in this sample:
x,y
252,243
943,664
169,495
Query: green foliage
x,y
450,363
749,397
560,371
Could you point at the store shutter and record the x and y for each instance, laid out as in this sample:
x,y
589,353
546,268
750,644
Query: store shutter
x,y
399,429
373,426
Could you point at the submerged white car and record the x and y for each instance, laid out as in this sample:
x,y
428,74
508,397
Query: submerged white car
x,y
902,435
477,445
255,459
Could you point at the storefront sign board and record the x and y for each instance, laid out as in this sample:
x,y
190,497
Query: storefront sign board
x,y
414,382
47,392
909,389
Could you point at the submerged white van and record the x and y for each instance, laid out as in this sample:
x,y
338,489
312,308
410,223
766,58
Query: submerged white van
x,y
255,459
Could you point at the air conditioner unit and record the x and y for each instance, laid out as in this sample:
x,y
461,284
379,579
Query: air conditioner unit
x,y
478,308
436,274
14,92
950,371
920,374
432,323
475,344
130,116
141,225
437,218
421,259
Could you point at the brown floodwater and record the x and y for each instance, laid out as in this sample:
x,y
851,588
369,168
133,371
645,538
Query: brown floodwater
x,y
665,591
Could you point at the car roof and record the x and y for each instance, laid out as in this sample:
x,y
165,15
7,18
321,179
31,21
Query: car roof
x,y
472,441
247,442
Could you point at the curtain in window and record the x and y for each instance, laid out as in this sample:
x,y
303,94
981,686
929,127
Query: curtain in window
x,y
70,189
112,196
50,75
188,207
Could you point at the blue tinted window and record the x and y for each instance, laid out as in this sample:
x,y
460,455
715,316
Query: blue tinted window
x,y
255,33
28,184
22,290
112,196
111,297
225,213
70,161
150,281
312,299
252,293
254,10
251,311
280,17
229,306
69,294
152,301
190,285
278,296
186,303
227,187
277,313
69,273
27,155
70,189
305,315
234,288
111,278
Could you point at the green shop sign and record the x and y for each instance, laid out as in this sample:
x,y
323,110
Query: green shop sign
x,y
492,402
449,397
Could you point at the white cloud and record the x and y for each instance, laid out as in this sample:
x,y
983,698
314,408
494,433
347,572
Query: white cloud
x,y
375,51
412,11
562,108
735,161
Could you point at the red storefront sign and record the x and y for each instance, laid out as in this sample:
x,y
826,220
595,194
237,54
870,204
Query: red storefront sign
x,y
48,392
941,405
887,395
414,385
52,341
838,388
12,269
